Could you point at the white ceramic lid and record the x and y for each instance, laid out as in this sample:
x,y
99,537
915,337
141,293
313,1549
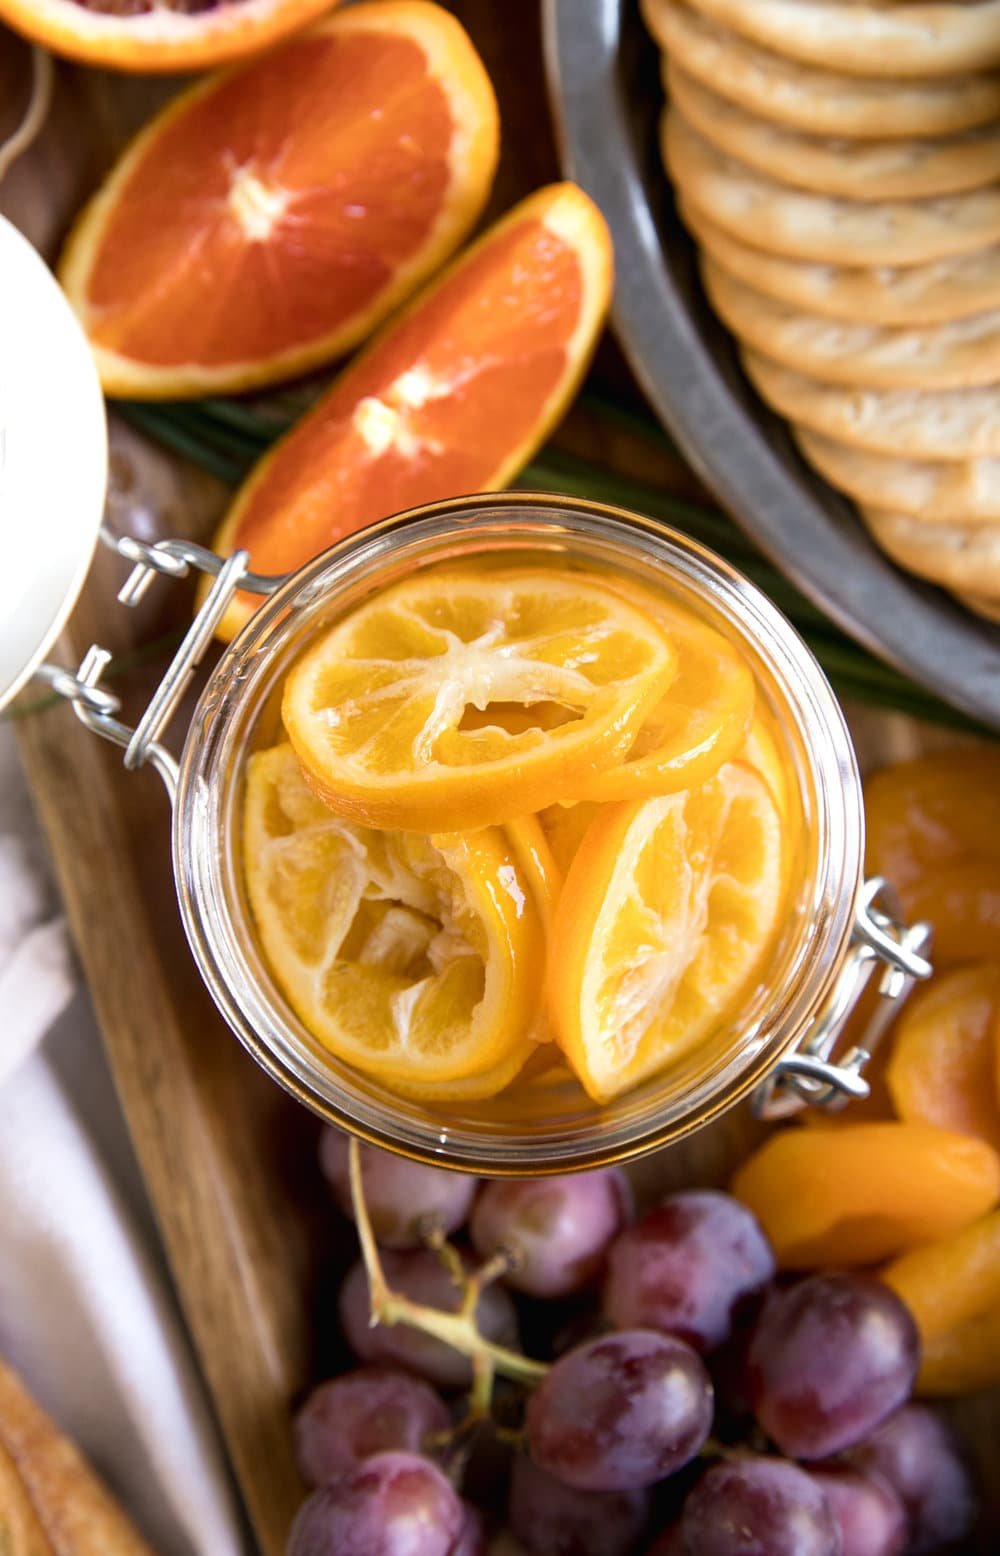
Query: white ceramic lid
x,y
53,459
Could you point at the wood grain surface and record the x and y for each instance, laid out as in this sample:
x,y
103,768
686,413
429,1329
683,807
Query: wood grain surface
x,y
227,1158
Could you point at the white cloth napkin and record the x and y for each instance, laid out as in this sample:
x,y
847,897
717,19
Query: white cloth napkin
x,y
87,1314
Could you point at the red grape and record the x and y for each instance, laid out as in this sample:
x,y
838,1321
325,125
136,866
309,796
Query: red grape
x,y
558,1228
687,1268
421,1276
918,1454
370,1410
395,1504
472,1535
553,1519
868,1513
620,1412
758,1507
830,1357
405,1199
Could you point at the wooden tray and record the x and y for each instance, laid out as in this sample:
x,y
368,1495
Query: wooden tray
x,y
228,1159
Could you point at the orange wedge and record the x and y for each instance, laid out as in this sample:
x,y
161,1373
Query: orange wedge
x,y
376,707
272,215
665,920
701,721
415,959
158,35
455,396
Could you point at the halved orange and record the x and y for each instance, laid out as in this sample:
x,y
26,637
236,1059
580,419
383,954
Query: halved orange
x,y
273,214
454,397
378,708
158,35
666,917
701,721
416,959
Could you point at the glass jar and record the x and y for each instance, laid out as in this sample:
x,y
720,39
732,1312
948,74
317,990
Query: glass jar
x,y
530,1129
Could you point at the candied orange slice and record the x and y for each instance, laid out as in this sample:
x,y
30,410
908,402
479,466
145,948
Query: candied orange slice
x,y
564,827
454,396
666,917
417,959
760,751
943,1060
377,708
700,722
268,218
537,864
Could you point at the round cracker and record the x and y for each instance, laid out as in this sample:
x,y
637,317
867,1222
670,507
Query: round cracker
x,y
960,556
865,170
878,294
919,37
962,354
982,604
813,99
949,424
798,225
964,492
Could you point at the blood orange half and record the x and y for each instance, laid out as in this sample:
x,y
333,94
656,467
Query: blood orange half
x,y
158,35
272,215
453,397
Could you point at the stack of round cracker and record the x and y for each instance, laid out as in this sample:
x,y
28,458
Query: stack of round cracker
x,y
838,162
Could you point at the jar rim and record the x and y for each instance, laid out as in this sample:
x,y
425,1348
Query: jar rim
x,y
203,866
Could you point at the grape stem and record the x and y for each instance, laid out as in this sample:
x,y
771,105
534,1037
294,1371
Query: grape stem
x,y
456,1329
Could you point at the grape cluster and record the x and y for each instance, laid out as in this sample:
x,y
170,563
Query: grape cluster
x,y
694,1403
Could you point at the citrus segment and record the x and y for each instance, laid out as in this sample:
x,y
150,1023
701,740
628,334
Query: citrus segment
x,y
701,721
376,708
155,35
666,916
271,216
454,397
417,959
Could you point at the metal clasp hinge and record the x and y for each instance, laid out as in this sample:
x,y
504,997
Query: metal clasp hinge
x,y
98,708
809,1076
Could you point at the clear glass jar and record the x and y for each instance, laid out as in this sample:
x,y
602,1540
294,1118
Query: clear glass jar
x,y
525,1130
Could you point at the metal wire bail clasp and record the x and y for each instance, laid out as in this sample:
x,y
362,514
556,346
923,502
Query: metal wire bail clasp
x,y
809,1076
98,708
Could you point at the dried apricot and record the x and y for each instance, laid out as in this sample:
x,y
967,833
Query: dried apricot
x,y
943,1058
962,901
964,1360
865,1192
934,833
932,812
952,1288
